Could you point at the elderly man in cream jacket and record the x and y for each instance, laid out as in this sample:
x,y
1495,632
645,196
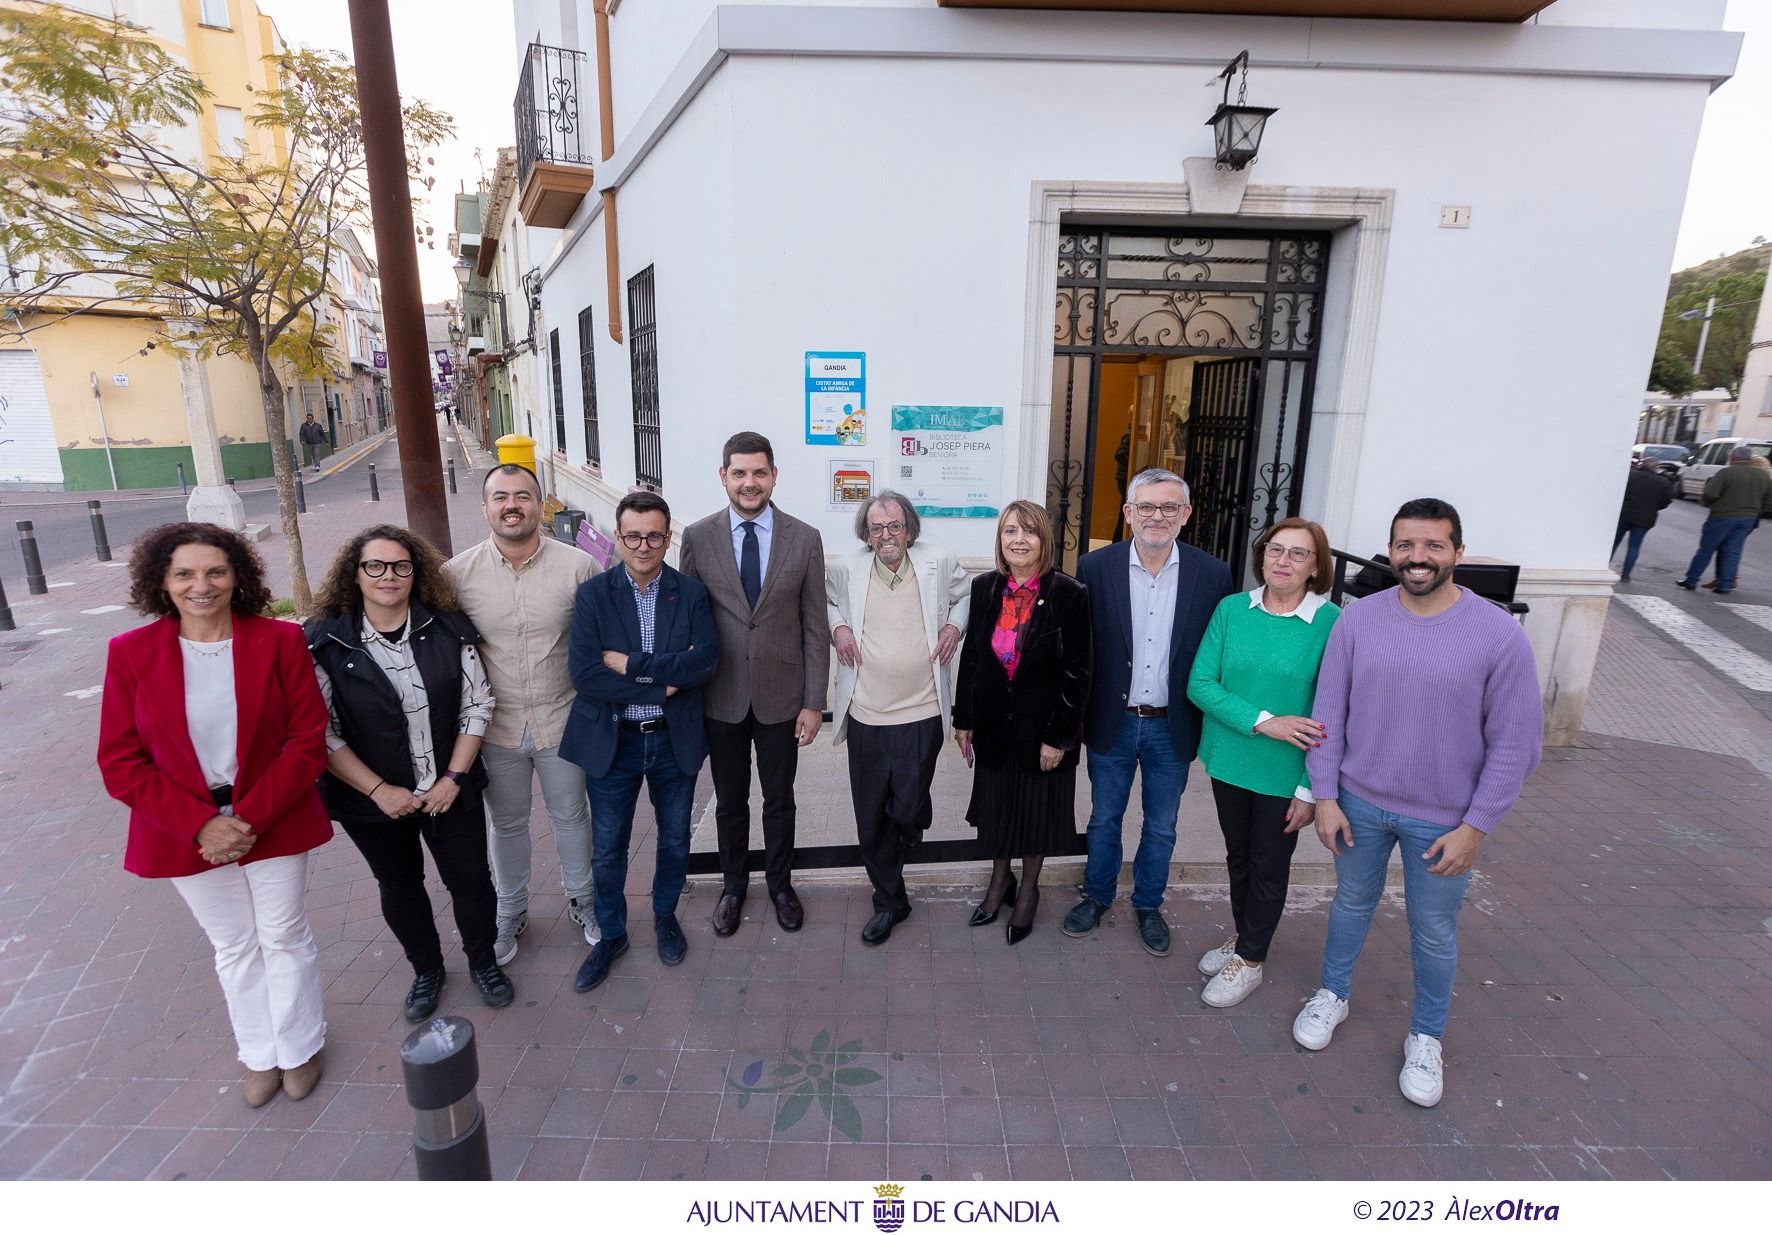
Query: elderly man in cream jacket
x,y
897,609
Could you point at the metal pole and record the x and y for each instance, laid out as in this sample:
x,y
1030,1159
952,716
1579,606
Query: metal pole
x,y
450,467
35,583
396,257
110,460
184,490
375,488
301,495
6,622
100,545
449,1127
1703,336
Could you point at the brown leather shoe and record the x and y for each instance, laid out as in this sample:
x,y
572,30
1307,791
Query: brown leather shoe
x,y
260,1087
299,1082
788,911
1709,587
727,913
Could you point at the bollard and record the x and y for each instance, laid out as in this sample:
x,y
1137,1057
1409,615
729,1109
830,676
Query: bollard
x,y
183,489
450,467
374,488
231,483
301,496
35,583
449,1128
6,622
100,545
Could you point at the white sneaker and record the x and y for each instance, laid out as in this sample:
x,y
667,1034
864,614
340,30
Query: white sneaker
x,y
1421,1080
1211,962
1231,985
585,918
1315,1025
504,948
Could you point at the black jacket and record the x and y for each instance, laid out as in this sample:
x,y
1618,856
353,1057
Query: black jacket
x,y
1044,705
368,706
1646,494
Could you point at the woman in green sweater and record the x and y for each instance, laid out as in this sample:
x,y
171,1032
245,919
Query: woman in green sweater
x,y
1254,678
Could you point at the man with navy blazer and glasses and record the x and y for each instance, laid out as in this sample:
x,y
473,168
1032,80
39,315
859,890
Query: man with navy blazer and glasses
x,y
1151,598
643,644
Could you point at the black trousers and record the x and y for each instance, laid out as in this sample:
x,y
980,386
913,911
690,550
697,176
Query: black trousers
x,y
1258,853
729,762
890,770
457,841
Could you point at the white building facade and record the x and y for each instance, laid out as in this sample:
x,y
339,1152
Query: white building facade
x,y
1004,233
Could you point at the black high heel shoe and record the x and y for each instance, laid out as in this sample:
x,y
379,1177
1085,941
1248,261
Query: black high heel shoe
x,y
981,918
1019,933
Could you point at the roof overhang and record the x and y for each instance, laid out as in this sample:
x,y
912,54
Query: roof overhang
x,y
1511,11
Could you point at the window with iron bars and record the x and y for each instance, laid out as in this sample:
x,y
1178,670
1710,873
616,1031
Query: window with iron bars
x,y
643,360
587,380
559,398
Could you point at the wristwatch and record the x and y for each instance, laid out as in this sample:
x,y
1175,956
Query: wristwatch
x,y
455,776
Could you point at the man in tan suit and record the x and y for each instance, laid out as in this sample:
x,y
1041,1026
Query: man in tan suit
x,y
764,571
897,610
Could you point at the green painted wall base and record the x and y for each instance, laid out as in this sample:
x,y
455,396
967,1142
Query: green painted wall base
x,y
156,467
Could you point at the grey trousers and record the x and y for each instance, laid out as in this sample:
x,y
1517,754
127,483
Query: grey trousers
x,y
511,773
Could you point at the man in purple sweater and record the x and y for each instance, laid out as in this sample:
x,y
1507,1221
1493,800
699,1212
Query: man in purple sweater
x,y
1431,705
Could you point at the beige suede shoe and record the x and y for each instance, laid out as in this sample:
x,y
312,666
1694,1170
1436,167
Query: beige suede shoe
x,y
299,1082
260,1087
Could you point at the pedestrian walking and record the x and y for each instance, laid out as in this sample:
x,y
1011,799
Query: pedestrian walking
x,y
1019,702
643,646
1254,677
517,587
409,700
1646,494
312,438
212,731
1738,496
1432,721
1151,598
1765,465
764,571
897,607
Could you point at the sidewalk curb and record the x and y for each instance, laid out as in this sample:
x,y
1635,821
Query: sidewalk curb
x,y
360,451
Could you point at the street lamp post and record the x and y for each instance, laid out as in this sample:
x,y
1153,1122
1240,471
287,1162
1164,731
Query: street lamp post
x,y
1693,315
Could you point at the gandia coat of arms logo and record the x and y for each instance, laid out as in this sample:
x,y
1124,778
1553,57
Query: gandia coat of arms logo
x,y
888,1207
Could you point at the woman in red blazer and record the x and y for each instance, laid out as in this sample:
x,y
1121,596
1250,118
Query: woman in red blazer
x,y
213,733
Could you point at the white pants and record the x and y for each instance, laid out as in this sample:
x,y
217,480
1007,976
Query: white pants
x,y
256,916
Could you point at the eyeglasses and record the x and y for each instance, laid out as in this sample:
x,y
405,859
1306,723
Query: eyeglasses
x,y
1296,553
1168,510
651,540
885,529
376,569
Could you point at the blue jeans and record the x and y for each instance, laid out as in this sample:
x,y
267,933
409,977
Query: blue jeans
x,y
648,757
1636,535
1143,745
1432,902
1723,537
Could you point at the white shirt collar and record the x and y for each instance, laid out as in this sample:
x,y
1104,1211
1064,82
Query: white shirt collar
x,y
1307,607
1174,559
765,521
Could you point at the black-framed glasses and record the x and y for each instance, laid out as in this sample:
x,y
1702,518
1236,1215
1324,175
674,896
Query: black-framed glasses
x,y
885,529
1168,510
376,568
652,540
1296,552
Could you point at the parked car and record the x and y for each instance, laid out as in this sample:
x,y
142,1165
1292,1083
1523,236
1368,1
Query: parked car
x,y
1665,457
1711,458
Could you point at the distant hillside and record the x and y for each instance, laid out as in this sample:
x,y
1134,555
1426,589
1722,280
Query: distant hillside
x,y
1747,261
1736,280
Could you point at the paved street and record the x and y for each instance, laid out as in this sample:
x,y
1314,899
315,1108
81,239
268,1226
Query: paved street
x,y
1611,1021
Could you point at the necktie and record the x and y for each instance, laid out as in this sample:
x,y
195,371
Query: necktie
x,y
750,565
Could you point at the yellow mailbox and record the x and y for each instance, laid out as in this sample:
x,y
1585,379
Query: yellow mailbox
x,y
516,448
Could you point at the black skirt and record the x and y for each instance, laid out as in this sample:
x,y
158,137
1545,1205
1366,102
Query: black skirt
x,y
1024,814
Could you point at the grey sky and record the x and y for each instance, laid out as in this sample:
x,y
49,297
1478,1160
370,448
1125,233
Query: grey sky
x,y
461,55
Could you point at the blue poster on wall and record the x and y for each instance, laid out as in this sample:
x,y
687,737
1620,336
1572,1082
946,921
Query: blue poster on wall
x,y
836,399
948,460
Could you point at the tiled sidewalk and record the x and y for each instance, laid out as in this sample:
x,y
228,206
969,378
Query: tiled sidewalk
x,y
1612,1016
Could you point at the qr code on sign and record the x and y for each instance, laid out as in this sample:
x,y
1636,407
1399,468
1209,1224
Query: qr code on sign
x,y
904,472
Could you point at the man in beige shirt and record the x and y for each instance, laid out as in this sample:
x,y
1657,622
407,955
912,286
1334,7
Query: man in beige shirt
x,y
518,587
896,608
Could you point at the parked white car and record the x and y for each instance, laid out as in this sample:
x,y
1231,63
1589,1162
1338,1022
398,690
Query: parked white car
x,y
1712,457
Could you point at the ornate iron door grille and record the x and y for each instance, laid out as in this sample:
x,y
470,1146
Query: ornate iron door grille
x,y
1255,297
643,359
587,381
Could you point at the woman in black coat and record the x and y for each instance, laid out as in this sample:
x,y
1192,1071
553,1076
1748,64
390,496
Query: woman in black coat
x,y
1018,710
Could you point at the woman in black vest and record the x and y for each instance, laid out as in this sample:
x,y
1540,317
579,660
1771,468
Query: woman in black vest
x,y
409,701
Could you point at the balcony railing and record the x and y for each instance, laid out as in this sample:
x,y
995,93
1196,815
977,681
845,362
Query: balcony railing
x,y
554,145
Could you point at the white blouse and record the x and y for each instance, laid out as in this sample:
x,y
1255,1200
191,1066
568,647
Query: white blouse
x,y
212,716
